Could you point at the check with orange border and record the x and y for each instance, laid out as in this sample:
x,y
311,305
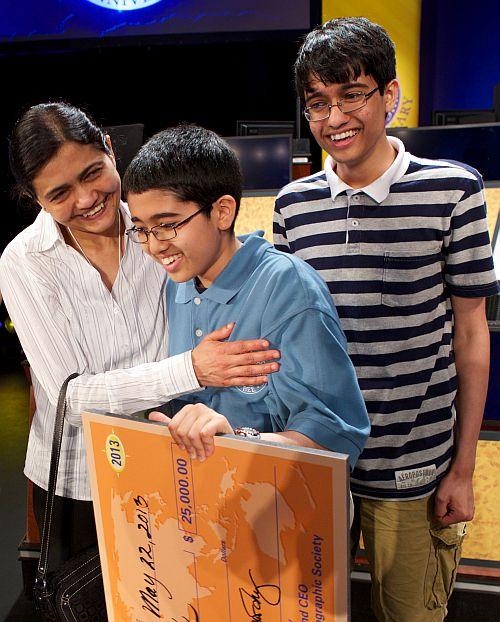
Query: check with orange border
x,y
258,532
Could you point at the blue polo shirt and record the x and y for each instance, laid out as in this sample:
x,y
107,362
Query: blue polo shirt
x,y
278,297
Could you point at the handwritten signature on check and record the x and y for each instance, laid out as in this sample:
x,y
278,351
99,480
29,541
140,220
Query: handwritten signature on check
x,y
252,601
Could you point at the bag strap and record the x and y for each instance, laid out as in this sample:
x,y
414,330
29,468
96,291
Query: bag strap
x,y
41,575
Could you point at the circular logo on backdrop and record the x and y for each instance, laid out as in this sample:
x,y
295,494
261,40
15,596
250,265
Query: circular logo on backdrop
x,y
124,5
392,113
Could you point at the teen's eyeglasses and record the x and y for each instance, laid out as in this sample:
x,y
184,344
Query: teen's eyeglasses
x,y
162,232
319,111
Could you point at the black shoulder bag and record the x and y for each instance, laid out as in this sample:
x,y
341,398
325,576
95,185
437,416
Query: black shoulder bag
x,y
74,592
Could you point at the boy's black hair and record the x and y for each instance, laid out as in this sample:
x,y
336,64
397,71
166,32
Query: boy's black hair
x,y
193,163
341,49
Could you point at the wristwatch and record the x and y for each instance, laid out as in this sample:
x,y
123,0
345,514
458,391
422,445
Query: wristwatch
x,y
248,432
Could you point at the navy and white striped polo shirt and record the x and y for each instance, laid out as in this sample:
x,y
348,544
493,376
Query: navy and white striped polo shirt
x,y
392,254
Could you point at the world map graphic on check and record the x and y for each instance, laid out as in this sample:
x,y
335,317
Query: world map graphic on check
x,y
247,535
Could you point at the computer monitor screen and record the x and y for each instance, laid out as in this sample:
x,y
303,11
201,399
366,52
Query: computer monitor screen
x,y
266,161
476,145
126,141
462,117
31,20
260,128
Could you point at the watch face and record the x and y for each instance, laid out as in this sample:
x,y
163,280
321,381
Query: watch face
x,y
124,5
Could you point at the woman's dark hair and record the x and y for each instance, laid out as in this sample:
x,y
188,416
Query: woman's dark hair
x,y
341,49
193,163
38,136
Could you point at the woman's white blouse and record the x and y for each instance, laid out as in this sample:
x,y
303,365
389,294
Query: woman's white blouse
x,y
68,321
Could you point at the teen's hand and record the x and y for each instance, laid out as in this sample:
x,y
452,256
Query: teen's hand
x,y
219,363
454,499
193,428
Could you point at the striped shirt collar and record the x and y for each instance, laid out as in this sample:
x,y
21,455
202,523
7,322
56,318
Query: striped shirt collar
x,y
379,189
45,233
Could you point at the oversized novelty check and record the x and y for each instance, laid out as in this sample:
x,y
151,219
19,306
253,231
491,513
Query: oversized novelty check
x,y
257,532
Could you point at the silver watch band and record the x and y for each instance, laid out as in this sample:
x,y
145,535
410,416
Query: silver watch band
x,y
248,432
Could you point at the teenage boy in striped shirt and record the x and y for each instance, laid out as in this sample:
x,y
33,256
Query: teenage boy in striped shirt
x,y
403,246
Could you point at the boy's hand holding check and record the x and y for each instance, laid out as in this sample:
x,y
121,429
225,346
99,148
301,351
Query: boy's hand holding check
x,y
193,428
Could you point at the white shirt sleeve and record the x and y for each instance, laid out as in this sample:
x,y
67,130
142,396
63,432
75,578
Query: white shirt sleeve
x,y
53,352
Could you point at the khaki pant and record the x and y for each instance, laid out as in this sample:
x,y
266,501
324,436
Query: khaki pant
x,y
413,561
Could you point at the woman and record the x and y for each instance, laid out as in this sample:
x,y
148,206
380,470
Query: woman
x,y
84,300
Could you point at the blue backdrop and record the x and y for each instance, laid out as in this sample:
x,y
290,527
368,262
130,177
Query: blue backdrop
x,y
459,55
60,19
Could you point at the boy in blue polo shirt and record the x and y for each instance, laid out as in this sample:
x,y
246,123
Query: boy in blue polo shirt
x,y
184,188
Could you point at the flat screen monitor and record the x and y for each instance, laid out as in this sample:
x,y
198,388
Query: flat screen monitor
x,y
462,117
477,145
35,20
266,161
260,128
126,141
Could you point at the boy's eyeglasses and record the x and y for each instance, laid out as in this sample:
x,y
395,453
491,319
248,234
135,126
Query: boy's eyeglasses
x,y
162,232
319,111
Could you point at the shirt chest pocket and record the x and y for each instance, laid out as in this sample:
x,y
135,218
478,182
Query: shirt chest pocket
x,y
412,277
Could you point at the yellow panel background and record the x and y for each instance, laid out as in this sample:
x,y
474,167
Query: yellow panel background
x,y
493,208
483,541
401,19
256,213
